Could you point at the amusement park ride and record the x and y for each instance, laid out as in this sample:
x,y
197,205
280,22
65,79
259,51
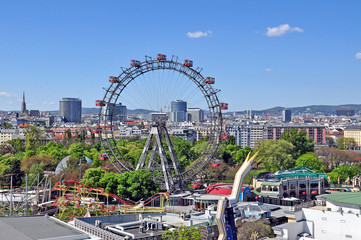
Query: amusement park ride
x,y
76,199
173,179
225,213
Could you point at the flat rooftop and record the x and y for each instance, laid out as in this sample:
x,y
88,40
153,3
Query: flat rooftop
x,y
37,227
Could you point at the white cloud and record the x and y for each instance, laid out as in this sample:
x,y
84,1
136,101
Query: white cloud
x,y
199,34
268,70
358,55
8,95
281,29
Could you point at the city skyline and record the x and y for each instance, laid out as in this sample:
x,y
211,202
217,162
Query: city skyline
x,y
262,54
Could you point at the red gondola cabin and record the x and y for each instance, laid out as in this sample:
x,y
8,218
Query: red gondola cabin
x,y
225,136
103,156
113,79
210,80
97,130
188,63
134,63
196,184
161,57
99,103
223,106
216,163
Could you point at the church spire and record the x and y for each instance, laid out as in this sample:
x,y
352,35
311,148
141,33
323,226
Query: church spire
x,y
23,104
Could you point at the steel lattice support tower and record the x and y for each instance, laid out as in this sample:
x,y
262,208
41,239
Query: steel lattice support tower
x,y
158,130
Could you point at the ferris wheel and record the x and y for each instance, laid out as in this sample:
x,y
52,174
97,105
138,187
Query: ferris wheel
x,y
161,80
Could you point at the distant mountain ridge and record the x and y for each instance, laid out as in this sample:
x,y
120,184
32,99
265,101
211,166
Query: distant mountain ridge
x,y
96,111
319,109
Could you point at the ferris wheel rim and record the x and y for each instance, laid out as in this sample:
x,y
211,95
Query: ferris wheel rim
x,y
132,73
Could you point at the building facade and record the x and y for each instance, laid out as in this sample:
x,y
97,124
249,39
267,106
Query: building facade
x,y
316,132
247,135
70,110
345,112
115,112
195,115
286,115
353,132
178,111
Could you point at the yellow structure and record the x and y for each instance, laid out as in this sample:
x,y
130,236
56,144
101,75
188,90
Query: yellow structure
x,y
355,133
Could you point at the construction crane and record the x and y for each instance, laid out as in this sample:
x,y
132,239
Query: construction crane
x,y
225,214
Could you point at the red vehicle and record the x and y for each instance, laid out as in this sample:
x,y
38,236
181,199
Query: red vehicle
x,y
113,79
134,63
223,106
216,163
103,156
161,57
210,80
196,184
99,103
188,63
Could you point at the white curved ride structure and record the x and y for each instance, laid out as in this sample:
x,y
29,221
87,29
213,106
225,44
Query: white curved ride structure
x,y
226,204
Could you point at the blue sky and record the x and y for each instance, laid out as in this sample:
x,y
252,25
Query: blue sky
x,y
262,53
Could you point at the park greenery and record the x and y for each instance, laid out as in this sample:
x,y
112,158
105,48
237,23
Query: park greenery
x,y
294,148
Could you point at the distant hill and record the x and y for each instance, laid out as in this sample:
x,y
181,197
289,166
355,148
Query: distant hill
x,y
96,111
315,109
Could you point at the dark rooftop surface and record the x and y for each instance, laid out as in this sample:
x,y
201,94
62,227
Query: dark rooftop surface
x,y
36,227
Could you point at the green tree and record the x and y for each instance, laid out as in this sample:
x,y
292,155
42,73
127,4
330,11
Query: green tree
x,y
182,233
33,137
110,182
92,177
231,140
137,185
242,154
343,172
17,145
82,135
299,139
346,143
77,149
276,155
229,153
15,171
330,141
311,161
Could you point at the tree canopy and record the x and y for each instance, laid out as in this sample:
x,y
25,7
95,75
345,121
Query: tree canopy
x,y
300,140
276,155
311,161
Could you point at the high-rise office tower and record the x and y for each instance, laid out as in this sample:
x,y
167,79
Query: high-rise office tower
x,y
116,112
286,115
70,109
195,115
178,111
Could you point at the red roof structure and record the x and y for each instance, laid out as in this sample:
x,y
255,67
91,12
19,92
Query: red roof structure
x,y
223,188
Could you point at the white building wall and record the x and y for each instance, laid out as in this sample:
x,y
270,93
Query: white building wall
x,y
330,225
